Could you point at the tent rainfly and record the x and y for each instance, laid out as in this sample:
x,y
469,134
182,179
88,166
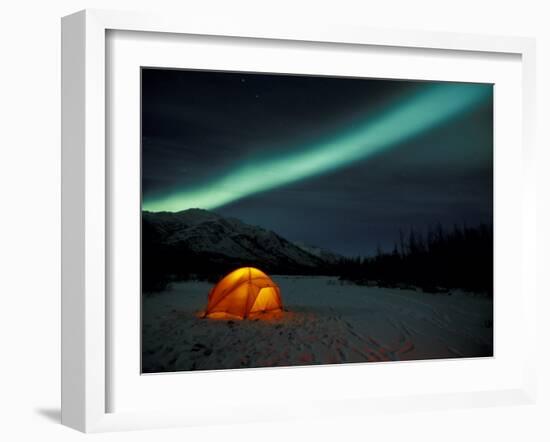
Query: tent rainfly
x,y
243,293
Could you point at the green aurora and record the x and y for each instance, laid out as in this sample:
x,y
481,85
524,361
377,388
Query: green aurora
x,y
430,106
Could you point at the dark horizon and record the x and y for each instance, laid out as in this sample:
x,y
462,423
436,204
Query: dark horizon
x,y
203,128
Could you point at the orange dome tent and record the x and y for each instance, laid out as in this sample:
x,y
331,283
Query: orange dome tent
x,y
243,293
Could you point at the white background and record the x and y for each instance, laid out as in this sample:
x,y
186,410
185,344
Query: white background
x,y
30,219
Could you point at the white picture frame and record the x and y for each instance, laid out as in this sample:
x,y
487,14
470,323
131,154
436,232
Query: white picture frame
x,y
85,209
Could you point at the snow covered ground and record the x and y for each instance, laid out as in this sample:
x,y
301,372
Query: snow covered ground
x,y
326,321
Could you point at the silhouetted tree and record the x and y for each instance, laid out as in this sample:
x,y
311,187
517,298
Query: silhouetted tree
x,y
441,260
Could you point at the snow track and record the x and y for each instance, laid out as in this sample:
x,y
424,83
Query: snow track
x,y
325,322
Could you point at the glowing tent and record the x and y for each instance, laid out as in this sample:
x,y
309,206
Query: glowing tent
x,y
243,293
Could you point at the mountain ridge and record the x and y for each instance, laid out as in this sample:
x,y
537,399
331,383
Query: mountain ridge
x,y
201,241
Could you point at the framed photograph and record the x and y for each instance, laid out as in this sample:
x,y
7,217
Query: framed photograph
x,y
339,219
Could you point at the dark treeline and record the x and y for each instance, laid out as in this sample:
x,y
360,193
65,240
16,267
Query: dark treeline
x,y
434,261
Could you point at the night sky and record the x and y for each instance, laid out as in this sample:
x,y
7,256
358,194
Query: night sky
x,y
338,163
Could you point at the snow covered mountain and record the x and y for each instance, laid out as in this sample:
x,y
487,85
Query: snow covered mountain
x,y
324,254
207,235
